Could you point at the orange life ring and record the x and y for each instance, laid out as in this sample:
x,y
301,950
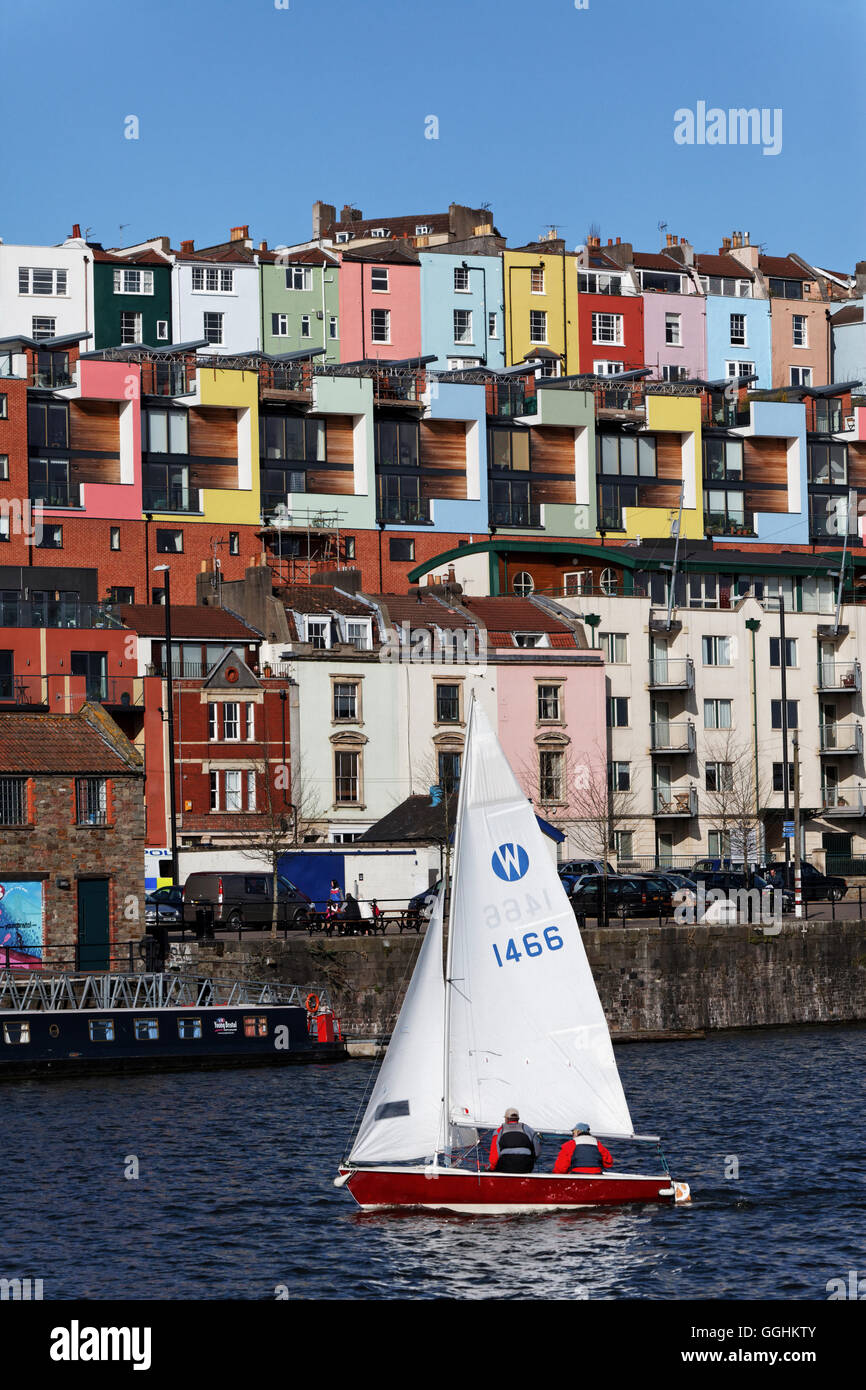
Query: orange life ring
x,y
312,1002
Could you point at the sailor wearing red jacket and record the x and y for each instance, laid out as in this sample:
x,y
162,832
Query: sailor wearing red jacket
x,y
582,1153
514,1147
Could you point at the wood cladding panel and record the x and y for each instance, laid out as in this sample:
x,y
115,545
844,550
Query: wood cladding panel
x,y
758,501
339,440
94,425
765,461
213,433
215,475
857,465
552,451
669,459
339,482
84,470
659,495
443,444
448,486
553,490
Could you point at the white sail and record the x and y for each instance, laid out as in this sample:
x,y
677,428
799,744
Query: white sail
x,y
526,1027
403,1119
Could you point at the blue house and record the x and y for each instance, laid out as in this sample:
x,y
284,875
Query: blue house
x,y
739,338
462,304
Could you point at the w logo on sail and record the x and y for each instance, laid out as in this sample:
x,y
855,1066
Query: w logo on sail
x,y
510,862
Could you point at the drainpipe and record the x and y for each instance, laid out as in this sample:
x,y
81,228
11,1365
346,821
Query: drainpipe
x,y
564,322
753,624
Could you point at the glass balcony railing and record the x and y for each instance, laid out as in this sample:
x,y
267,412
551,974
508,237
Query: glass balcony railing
x,y
671,673
515,514
841,738
841,676
842,801
57,494
404,511
171,499
21,612
668,736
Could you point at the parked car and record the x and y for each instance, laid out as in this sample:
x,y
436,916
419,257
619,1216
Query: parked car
x,y
234,900
730,881
630,896
572,869
163,904
816,887
419,908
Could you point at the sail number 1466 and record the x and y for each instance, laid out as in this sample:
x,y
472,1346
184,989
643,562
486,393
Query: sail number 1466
x,y
532,946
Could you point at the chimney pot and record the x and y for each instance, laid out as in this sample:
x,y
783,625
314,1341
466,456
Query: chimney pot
x,y
610,241
76,229
187,247
669,239
263,246
617,241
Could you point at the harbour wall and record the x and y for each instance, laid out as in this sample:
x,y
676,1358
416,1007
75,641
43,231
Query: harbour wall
x,y
652,980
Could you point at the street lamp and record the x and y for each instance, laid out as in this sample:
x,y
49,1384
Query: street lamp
x,y
592,621
172,793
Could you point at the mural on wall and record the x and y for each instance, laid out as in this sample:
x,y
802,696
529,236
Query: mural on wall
x,y
21,937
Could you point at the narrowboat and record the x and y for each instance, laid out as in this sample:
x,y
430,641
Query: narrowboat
x,y
96,1024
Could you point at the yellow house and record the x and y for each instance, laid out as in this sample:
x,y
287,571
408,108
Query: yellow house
x,y
540,283
676,423
223,448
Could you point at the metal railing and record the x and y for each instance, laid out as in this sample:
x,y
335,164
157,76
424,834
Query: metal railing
x,y
145,990
671,673
843,801
841,676
670,802
20,612
57,495
672,737
841,738
171,499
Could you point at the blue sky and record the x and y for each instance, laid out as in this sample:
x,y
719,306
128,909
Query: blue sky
x,y
548,113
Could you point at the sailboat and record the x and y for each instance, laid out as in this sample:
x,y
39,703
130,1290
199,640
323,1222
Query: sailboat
x,y
514,1020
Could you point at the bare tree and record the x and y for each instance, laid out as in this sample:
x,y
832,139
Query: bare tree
x,y
733,796
599,805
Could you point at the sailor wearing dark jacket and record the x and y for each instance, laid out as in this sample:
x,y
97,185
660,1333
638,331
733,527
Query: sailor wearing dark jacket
x,y
514,1147
582,1153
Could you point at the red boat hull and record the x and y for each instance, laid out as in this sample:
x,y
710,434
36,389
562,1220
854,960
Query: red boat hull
x,y
449,1189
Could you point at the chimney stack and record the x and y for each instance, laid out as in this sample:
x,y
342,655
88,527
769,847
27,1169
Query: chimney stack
x,y
263,246
187,248
324,215
669,239
617,241
726,244
350,214
239,234
76,231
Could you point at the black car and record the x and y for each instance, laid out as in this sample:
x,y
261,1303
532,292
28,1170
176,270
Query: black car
x,y
816,887
630,897
731,881
163,904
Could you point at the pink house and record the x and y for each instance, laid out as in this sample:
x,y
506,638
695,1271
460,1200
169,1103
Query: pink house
x,y
109,419
380,304
674,324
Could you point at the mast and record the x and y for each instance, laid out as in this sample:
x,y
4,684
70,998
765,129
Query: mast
x,y
449,950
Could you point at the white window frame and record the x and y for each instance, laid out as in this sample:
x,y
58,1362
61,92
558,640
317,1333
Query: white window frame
x,y
674,323
801,376
213,314
378,272
603,367
611,643
250,708
738,371
251,789
318,627
800,321
536,271
608,326
212,280
135,315
40,333
492,324
233,790
162,330
460,338
376,333
231,721
133,280
58,278
461,274
279,325
306,326
538,319
333,328
215,803
299,277
720,644
738,341
358,630
715,703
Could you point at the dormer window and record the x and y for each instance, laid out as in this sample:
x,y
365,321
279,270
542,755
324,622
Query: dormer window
x,y
380,232
344,236
531,639
319,634
358,633
423,229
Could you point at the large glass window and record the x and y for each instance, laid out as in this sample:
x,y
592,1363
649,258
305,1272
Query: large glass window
x,y
166,431
397,444
828,463
723,460
627,454
292,437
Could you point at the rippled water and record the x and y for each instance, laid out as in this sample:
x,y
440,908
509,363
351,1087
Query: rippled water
x,y
235,1193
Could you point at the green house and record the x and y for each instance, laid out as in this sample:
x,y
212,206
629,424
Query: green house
x,y
301,302
131,298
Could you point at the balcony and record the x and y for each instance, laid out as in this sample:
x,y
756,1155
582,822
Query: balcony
x,y
671,673
841,739
404,511
843,801
57,495
517,514
171,499
670,803
166,378
676,737
716,525
21,612
841,677
286,381
120,692
511,398
53,376
21,690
